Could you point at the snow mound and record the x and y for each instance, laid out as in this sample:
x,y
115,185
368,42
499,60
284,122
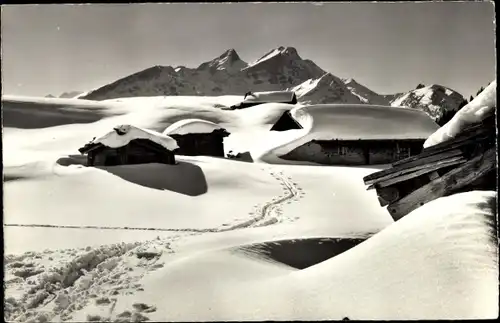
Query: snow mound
x,y
475,111
350,122
123,134
187,126
439,262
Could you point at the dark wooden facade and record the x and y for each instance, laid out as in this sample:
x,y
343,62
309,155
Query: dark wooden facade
x,y
355,152
137,151
201,144
286,122
464,163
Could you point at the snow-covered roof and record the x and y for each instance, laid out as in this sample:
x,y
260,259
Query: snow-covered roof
x,y
360,121
272,96
121,135
186,126
475,111
354,122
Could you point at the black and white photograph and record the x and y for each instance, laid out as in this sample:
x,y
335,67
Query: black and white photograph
x,y
249,161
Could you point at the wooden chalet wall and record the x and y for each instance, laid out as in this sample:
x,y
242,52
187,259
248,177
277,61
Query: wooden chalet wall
x,y
201,144
138,151
355,152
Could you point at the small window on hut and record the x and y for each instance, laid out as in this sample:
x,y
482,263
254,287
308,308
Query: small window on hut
x,y
342,151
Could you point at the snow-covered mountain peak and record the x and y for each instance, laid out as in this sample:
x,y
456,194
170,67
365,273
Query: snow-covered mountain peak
x,y
229,61
365,94
325,89
278,56
436,100
290,52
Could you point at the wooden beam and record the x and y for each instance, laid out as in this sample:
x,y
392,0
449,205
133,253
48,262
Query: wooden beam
x,y
449,182
409,167
428,168
450,145
387,195
469,136
434,174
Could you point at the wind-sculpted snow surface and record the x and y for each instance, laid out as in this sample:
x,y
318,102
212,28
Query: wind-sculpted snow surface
x,y
439,262
351,122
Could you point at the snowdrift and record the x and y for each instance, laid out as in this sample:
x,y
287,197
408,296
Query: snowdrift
x,y
439,262
475,111
350,122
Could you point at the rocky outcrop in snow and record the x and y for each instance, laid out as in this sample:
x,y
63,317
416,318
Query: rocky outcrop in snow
x,y
435,100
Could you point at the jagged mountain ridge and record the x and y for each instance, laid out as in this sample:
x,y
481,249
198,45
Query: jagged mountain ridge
x,y
280,69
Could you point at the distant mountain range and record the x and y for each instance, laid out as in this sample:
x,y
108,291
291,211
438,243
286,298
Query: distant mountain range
x,y
280,69
66,95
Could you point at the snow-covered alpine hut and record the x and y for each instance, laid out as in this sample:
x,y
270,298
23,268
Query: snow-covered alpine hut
x,y
197,137
127,144
256,98
356,134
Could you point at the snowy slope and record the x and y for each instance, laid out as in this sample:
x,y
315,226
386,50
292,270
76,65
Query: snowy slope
x,y
119,235
435,100
430,265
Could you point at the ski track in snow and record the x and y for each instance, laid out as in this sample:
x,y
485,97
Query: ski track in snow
x,y
98,274
267,214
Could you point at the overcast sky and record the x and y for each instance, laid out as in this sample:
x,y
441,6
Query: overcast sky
x,y
389,47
